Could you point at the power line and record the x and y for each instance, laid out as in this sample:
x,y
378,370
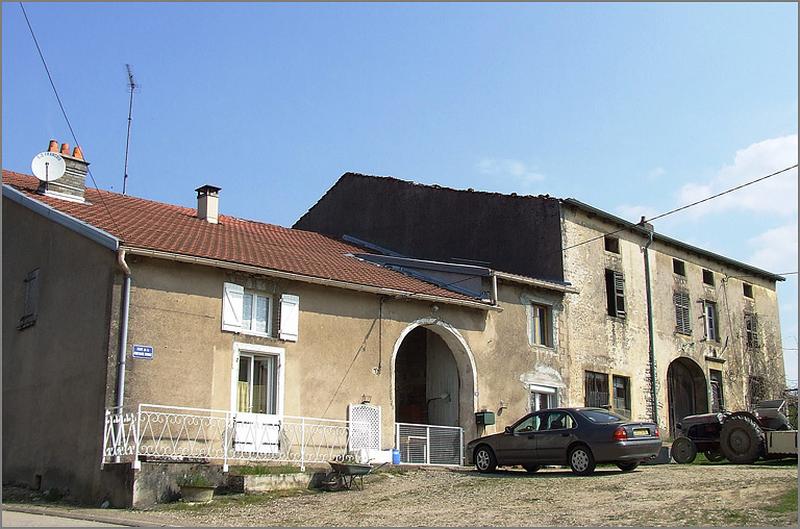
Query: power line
x,y
64,112
687,206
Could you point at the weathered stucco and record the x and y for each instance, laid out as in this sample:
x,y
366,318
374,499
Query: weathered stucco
x,y
54,372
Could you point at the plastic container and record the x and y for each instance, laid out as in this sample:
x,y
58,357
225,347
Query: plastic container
x,y
395,456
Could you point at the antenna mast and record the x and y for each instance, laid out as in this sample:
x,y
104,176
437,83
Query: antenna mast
x,y
131,86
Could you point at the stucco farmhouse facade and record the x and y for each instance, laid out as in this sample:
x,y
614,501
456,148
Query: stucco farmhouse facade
x,y
376,322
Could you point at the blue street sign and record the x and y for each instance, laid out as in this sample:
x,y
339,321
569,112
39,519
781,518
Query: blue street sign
x,y
143,351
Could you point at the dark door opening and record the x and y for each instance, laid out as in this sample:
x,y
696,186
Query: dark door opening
x,y
687,391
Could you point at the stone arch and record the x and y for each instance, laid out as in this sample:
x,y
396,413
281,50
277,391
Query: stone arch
x,y
687,391
464,362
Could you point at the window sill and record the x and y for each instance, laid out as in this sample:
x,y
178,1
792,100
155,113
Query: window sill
x,y
715,359
249,333
543,348
681,333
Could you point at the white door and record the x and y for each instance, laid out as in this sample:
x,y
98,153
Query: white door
x,y
258,421
542,397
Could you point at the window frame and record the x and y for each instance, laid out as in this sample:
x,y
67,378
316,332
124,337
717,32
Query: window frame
x,y
535,307
716,381
751,335
233,300
711,320
626,398
611,244
252,350
675,266
747,290
535,391
596,375
255,294
708,277
615,294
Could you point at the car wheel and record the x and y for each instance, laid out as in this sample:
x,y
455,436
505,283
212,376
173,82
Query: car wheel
x,y
741,439
581,460
683,450
485,460
628,466
713,455
531,469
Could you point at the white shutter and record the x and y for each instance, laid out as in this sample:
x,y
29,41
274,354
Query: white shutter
x,y
290,313
232,303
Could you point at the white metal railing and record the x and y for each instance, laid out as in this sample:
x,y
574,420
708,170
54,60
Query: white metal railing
x,y
172,433
427,444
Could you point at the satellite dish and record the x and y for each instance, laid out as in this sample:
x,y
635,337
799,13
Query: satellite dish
x,y
48,166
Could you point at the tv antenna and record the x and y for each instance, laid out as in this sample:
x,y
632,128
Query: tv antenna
x,y
132,86
48,166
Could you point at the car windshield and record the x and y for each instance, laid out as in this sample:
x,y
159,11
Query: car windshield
x,y
601,416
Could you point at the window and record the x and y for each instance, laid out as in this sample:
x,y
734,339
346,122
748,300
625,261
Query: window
x,y
622,395
529,424
30,309
717,399
612,244
541,325
751,330
542,397
557,420
596,389
708,277
758,390
247,311
679,267
711,321
615,293
683,323
747,290
257,388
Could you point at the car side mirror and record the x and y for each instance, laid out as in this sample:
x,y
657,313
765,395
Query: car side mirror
x,y
508,429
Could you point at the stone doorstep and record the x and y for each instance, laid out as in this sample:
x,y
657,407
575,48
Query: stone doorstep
x,y
75,514
270,482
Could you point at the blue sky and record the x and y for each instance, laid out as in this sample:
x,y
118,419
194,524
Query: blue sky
x,y
633,108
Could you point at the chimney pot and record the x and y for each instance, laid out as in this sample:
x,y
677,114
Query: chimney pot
x,y
208,203
77,153
53,147
65,148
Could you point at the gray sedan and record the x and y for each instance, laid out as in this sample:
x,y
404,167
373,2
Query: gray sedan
x,y
578,437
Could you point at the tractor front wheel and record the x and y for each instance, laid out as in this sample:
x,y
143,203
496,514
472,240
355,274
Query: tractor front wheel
x,y
683,450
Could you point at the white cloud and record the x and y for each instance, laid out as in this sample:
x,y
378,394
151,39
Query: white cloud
x,y
655,173
776,249
518,172
776,195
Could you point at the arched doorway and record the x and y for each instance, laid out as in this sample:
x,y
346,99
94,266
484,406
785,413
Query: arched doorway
x,y
688,394
434,377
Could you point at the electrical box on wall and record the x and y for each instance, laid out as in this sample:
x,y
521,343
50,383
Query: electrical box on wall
x,y
484,418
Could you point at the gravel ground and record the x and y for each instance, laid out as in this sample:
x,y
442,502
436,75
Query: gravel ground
x,y
665,495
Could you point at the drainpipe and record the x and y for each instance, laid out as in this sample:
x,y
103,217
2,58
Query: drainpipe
x,y
650,332
494,288
123,333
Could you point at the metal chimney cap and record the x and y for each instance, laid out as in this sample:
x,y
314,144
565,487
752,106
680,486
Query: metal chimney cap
x,y
208,190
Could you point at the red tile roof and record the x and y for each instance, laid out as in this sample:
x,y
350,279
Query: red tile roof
x,y
165,227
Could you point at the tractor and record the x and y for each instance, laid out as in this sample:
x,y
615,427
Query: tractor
x,y
740,437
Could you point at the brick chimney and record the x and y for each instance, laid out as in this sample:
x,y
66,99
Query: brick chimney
x,y
208,203
72,185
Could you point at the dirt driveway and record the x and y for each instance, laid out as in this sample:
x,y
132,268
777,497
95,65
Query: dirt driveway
x,y
665,495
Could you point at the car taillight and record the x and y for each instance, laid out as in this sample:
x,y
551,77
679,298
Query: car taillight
x,y
620,434
657,433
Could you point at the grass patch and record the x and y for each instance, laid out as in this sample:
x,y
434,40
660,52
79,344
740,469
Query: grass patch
x,y
786,503
264,470
225,501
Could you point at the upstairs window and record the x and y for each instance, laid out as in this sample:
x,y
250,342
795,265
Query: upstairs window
x,y
747,290
708,277
751,330
711,321
612,244
30,308
679,267
615,293
541,329
247,311
595,389
683,322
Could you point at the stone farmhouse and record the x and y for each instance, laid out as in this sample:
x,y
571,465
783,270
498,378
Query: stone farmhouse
x,y
393,315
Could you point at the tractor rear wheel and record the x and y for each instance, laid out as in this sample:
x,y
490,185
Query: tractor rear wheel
x,y
741,439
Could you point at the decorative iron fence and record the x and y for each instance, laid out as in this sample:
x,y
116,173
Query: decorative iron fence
x,y
170,433
426,444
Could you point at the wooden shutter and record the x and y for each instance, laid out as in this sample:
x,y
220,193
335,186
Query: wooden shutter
x,y
232,306
30,310
619,293
683,323
290,315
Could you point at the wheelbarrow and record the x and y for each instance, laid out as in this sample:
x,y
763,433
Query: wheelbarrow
x,y
345,475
